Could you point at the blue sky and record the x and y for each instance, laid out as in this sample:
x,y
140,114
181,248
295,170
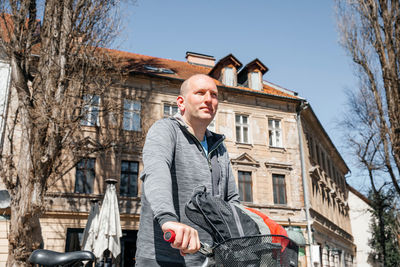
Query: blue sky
x,y
296,40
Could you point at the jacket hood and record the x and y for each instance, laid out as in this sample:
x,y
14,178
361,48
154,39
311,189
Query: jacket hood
x,y
213,137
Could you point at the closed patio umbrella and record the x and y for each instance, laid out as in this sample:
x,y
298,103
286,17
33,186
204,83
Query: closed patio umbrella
x,y
109,225
90,232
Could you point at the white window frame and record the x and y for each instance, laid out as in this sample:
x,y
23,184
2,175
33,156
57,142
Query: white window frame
x,y
229,76
272,132
242,126
170,109
132,109
91,110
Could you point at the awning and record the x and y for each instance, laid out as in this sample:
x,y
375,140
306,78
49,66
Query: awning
x,y
296,235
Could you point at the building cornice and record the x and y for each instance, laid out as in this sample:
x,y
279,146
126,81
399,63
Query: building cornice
x,y
329,226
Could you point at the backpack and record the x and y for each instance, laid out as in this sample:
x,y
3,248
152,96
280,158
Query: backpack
x,y
275,228
221,219
242,236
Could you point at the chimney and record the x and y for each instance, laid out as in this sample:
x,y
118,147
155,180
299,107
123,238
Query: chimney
x,y
200,59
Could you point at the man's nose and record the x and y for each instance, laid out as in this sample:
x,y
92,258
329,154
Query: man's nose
x,y
207,97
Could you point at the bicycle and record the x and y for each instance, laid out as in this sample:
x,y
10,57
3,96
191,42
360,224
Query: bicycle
x,y
248,251
44,257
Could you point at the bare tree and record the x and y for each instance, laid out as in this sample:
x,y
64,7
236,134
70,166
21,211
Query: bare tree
x,y
370,33
58,73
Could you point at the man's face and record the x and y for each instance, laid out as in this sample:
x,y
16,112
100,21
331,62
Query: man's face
x,y
200,102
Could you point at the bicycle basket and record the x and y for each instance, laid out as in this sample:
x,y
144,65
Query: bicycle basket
x,y
257,251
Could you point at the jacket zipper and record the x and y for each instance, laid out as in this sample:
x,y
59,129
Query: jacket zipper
x,y
212,150
216,145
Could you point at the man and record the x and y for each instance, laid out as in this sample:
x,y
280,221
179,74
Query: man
x,y
179,155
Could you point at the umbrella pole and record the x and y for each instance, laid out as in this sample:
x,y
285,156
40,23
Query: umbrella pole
x,y
107,259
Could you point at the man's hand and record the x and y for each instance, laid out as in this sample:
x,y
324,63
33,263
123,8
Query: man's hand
x,y
186,239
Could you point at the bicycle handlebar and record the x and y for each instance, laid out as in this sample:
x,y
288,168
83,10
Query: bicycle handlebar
x,y
169,236
205,249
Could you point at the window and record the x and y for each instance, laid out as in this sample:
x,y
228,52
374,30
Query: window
x,y
74,239
278,181
84,177
129,175
131,115
91,110
318,152
255,80
275,133
170,110
324,161
229,78
330,168
311,146
242,129
245,186
159,70
337,177
342,182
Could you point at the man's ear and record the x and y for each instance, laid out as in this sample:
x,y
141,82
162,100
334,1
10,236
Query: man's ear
x,y
180,100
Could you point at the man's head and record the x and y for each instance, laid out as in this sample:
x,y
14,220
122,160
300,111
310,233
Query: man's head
x,y
198,100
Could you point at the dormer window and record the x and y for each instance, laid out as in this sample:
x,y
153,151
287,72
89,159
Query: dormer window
x,y
251,75
229,77
226,70
255,80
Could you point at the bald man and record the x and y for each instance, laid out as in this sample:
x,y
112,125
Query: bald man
x,y
179,155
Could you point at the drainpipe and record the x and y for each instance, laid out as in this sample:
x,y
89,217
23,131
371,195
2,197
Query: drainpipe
x,y
301,107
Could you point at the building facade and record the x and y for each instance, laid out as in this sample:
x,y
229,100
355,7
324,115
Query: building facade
x,y
284,163
361,218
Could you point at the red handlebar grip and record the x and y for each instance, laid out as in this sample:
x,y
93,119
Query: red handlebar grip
x,y
169,236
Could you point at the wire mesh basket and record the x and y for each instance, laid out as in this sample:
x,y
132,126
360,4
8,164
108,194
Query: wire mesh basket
x,y
257,251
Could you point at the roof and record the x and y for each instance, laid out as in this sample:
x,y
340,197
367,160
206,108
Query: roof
x,y
256,64
359,195
132,62
5,19
181,70
137,63
229,59
7,26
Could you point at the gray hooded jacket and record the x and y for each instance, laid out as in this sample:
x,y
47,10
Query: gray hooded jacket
x,y
174,164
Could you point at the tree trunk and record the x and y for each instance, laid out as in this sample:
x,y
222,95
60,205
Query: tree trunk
x,y
26,207
44,118
26,189
25,234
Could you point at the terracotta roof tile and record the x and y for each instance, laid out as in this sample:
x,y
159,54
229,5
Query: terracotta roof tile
x,y
5,19
132,62
270,90
7,25
182,70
